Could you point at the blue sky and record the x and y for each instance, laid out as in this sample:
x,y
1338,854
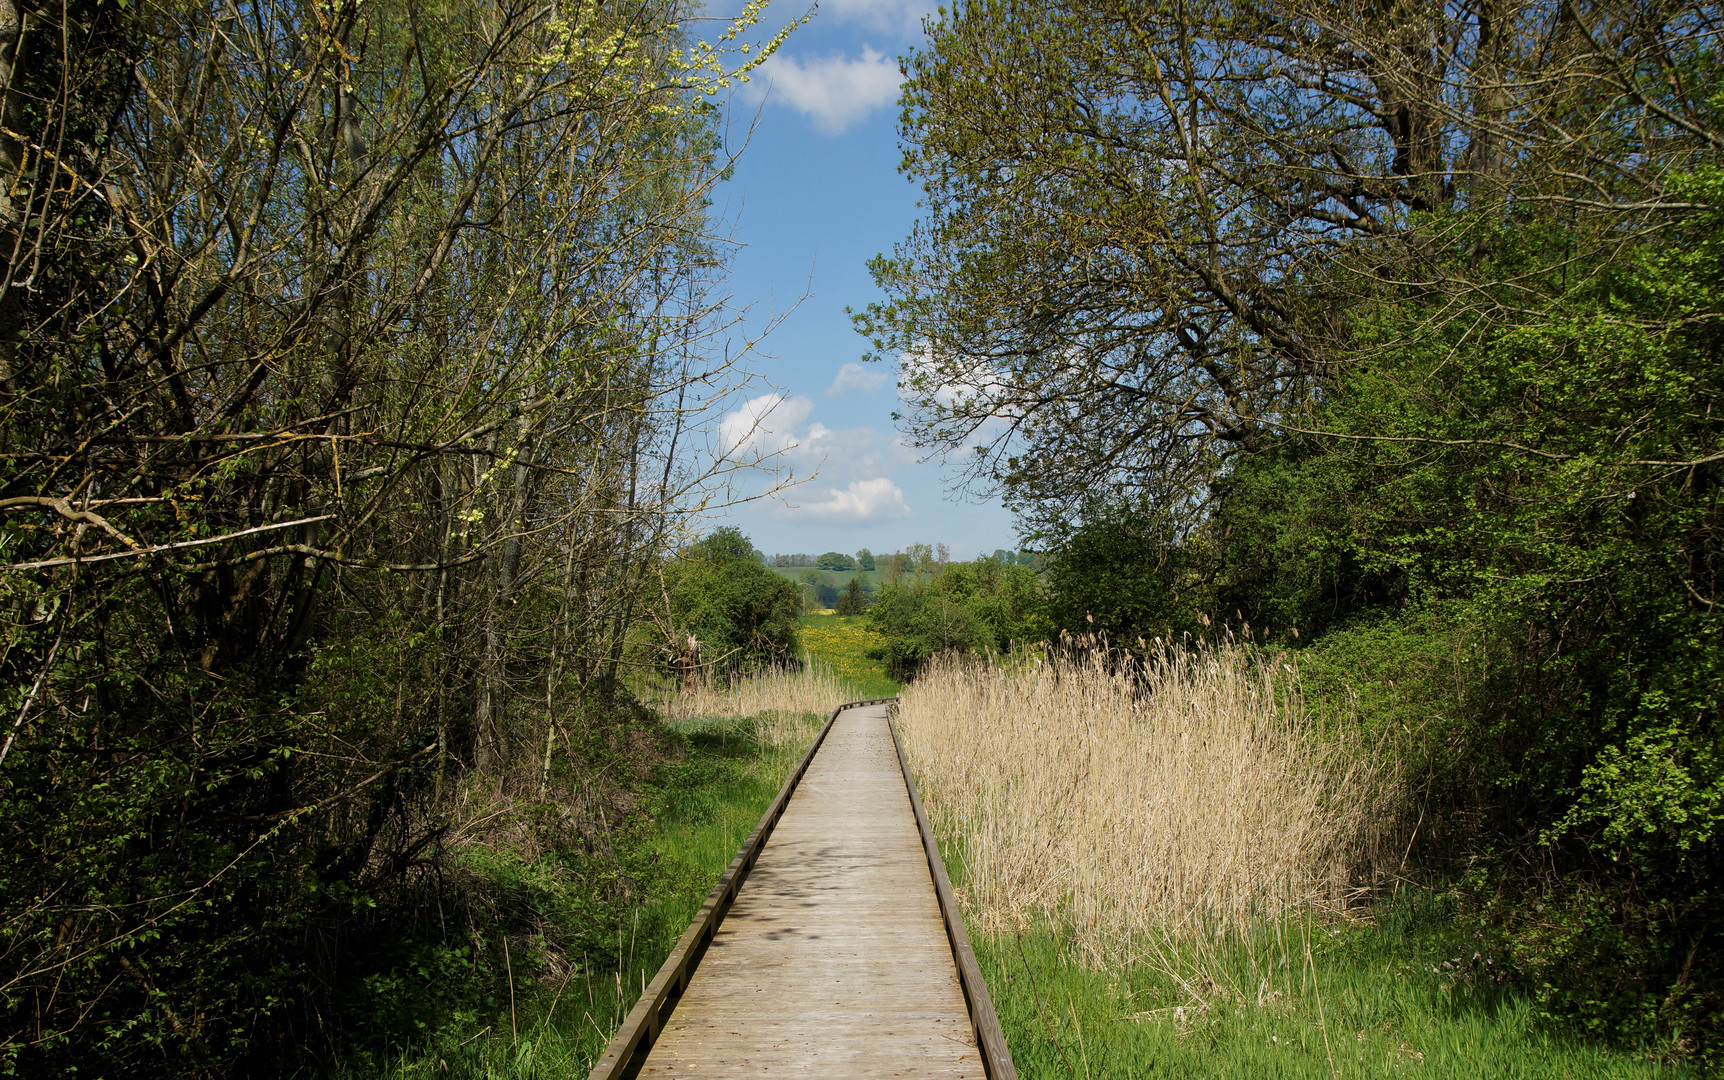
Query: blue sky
x,y
815,195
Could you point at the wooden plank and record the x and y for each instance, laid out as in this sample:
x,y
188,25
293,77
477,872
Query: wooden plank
x,y
996,1055
835,960
628,1048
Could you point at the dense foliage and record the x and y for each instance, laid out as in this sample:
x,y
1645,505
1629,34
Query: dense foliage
x,y
1392,331
960,606
740,614
1588,729
853,600
341,349
1126,578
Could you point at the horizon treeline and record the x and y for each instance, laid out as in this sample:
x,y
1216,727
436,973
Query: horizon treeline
x,y
910,558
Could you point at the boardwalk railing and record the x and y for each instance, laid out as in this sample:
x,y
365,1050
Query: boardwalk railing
x,y
990,1040
628,1049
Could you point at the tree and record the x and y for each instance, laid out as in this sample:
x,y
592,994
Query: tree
x,y
834,560
1394,319
961,607
919,558
865,560
1128,577
1170,213
853,600
1567,595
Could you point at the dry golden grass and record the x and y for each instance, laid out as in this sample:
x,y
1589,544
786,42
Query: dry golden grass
x,y
1134,805
780,701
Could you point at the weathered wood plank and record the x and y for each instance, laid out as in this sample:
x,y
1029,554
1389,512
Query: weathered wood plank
x,y
635,1036
834,958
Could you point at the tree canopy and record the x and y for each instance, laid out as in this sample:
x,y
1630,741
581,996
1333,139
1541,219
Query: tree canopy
x,y
964,607
345,357
1157,233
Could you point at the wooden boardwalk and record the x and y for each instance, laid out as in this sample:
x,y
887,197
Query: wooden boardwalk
x,y
835,958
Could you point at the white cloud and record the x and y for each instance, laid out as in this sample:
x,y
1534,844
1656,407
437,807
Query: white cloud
x,y
957,381
958,385
778,433
842,455
833,91
856,377
900,17
878,499
762,427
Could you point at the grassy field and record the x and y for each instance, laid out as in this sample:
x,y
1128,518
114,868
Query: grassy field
x,y
842,642
707,804
871,579
839,578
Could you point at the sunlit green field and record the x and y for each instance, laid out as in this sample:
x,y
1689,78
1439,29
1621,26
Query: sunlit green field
x,y
842,643
838,578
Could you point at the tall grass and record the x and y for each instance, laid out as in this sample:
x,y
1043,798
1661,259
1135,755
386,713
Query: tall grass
x,y
777,699
1137,803
1158,860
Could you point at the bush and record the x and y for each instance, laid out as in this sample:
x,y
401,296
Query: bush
x,y
961,607
1126,576
740,613
853,600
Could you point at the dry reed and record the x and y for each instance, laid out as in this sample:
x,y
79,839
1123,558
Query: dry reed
x,y
779,700
1139,804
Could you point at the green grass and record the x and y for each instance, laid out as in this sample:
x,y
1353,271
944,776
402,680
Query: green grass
x,y
842,643
1392,998
706,805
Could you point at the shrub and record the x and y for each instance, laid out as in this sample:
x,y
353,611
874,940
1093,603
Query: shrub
x,y
741,613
